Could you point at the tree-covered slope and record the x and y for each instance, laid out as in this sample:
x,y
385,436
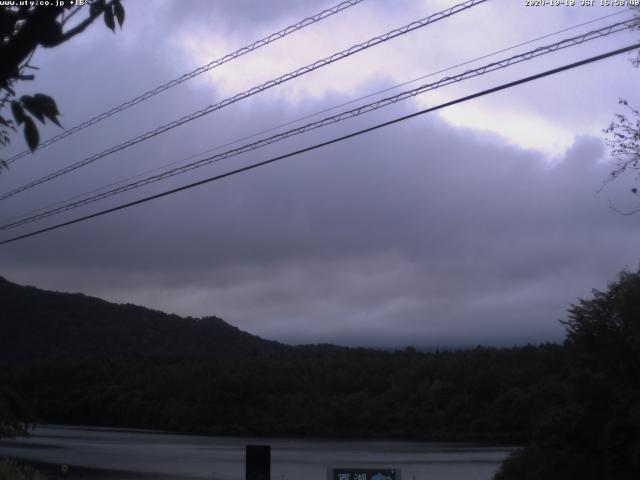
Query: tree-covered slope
x,y
593,431
42,325
79,359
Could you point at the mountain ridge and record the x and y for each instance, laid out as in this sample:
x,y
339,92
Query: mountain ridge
x,y
75,325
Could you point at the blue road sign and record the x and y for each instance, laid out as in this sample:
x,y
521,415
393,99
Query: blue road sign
x,y
364,474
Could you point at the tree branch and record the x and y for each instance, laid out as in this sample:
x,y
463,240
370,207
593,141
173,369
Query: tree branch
x,y
622,212
68,17
81,26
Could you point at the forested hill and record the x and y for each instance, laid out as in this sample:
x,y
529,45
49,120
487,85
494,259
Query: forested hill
x,y
42,325
82,360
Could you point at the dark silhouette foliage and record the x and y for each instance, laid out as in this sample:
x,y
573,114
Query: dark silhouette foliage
x,y
623,139
594,432
23,28
624,143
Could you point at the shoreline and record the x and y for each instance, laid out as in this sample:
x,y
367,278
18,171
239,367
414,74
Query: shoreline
x,y
462,440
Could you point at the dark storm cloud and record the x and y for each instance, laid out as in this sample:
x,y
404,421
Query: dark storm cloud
x,y
417,234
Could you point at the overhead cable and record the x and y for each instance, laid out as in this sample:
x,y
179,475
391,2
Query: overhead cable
x,y
385,102
328,142
271,83
308,116
194,73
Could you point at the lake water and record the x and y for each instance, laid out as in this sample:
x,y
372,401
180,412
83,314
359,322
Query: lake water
x,y
99,453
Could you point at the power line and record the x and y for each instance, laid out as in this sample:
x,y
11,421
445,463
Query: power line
x,y
271,83
305,117
328,142
187,76
501,64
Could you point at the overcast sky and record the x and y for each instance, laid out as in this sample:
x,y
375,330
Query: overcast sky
x,y
476,224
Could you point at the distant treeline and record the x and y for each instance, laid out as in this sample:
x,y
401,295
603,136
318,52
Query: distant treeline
x,y
80,360
307,391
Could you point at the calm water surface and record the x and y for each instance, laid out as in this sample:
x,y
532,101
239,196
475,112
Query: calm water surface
x,y
135,454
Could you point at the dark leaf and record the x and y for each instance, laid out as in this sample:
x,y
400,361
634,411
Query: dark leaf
x,y
18,112
96,8
118,9
48,107
109,21
41,106
32,107
31,134
48,104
